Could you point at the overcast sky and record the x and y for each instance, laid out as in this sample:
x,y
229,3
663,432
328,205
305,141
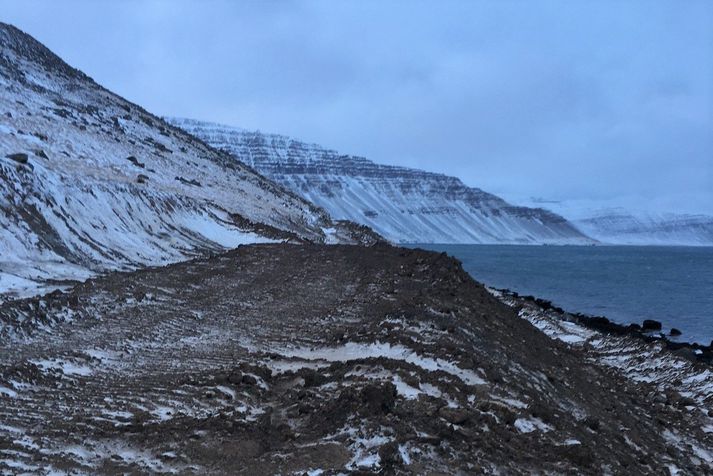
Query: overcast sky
x,y
571,100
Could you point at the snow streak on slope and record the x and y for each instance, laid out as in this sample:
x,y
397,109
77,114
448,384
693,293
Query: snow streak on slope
x,y
90,182
402,204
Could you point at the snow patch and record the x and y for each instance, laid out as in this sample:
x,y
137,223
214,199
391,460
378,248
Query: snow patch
x,y
355,351
528,425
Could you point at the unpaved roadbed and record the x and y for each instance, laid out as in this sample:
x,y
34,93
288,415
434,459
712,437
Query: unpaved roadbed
x,y
286,359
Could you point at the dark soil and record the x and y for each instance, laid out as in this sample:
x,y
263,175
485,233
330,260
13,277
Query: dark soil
x,y
285,359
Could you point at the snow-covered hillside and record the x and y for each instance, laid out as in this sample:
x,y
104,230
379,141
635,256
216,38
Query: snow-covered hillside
x,y
91,182
402,204
609,222
620,226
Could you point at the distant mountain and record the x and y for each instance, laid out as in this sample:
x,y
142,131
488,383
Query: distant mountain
x,y
619,226
91,182
610,223
402,204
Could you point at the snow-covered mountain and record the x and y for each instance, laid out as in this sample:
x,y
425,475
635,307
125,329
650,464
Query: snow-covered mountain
x,y
619,226
609,222
91,182
402,204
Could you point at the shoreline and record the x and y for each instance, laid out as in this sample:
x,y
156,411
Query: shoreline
x,y
661,289
698,352
683,376
559,245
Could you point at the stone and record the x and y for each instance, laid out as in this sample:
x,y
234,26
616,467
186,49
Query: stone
x,y
18,157
379,398
135,161
235,377
456,416
651,325
390,456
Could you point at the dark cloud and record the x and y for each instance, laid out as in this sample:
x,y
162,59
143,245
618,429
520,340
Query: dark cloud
x,y
562,100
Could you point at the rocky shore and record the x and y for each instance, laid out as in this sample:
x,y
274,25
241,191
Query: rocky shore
x,y
649,330
315,359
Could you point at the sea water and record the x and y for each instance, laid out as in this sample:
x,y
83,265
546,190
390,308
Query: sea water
x,y
627,284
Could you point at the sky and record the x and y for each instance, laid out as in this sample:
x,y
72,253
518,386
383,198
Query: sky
x,y
602,103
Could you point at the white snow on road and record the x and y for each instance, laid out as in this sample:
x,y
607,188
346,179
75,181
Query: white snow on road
x,y
355,350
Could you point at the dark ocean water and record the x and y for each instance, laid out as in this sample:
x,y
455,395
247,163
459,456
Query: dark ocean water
x,y
627,284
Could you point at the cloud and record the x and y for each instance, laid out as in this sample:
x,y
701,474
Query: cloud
x,y
554,99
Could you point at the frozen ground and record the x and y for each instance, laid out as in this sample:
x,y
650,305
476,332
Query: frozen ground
x,y
326,360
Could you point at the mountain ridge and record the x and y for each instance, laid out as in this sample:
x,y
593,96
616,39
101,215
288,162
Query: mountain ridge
x,y
403,204
625,227
612,223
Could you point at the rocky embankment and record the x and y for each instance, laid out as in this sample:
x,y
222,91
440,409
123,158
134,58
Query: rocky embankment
x,y
313,359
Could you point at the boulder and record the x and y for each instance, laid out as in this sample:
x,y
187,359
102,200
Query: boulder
x,y
592,423
235,377
19,157
193,182
686,402
456,416
379,398
312,378
73,301
390,456
686,353
674,332
651,325
135,161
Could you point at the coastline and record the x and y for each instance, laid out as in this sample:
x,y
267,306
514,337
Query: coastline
x,y
628,285
682,375
693,351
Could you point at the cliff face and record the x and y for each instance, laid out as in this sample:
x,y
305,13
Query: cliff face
x,y
402,204
91,182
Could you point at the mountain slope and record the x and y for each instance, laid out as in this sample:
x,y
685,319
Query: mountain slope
x,y
611,223
91,182
402,204
619,226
